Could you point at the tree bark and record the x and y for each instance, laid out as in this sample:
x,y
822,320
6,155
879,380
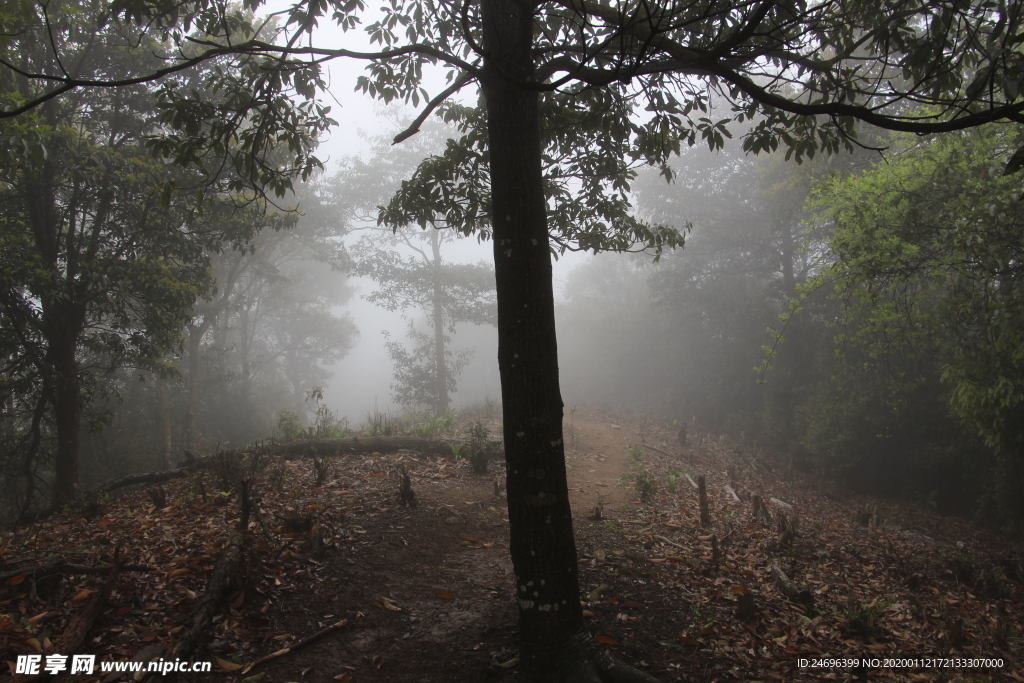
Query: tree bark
x,y
554,644
67,411
195,337
164,422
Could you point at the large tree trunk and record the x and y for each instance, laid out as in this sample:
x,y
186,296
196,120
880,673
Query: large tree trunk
x,y
555,645
63,317
438,299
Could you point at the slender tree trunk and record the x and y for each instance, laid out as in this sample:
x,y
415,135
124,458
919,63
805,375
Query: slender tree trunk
x,y
164,422
31,453
67,414
195,337
244,346
439,351
787,250
554,643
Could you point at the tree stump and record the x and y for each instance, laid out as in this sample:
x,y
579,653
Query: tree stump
x,y
702,492
760,512
745,609
407,497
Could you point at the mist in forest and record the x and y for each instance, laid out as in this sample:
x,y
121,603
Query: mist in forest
x,y
780,324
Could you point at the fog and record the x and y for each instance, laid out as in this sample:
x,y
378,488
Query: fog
x,y
781,323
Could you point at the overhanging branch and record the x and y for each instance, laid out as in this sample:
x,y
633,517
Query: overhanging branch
x,y
414,127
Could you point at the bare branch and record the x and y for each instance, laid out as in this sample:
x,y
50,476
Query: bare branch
x,y
414,127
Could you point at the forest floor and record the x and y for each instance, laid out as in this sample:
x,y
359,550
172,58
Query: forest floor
x,y
426,593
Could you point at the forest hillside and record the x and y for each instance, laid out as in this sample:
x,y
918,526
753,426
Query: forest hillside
x,y
334,578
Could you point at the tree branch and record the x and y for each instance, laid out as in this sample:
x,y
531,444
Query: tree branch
x,y
414,127
252,47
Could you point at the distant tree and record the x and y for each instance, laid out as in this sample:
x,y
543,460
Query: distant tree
x,y
407,265
272,319
282,319
447,293
799,75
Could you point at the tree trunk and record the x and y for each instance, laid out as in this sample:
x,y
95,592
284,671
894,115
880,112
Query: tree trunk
x,y
244,348
195,336
67,411
438,301
555,645
164,422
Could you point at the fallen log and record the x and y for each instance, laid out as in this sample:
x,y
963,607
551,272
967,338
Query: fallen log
x,y
73,637
732,493
657,450
63,568
365,444
143,478
791,589
311,447
222,581
781,503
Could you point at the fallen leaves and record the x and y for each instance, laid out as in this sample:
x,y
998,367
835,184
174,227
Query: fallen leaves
x,y
661,597
906,598
226,665
388,605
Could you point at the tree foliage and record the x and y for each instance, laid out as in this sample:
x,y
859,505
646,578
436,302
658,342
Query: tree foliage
x,y
927,252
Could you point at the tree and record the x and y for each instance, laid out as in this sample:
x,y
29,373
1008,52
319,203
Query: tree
x,y
109,258
272,318
927,255
799,74
408,268
447,293
101,265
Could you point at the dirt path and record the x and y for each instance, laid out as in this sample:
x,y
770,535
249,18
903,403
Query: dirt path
x,y
597,463
445,566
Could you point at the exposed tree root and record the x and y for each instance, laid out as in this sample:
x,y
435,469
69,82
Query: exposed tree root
x,y
230,564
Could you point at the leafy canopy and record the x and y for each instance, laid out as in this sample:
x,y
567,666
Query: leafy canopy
x,y
626,84
928,250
